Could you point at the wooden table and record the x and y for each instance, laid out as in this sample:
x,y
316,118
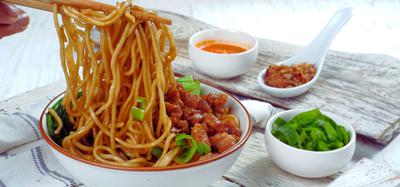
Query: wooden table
x,y
30,63
374,28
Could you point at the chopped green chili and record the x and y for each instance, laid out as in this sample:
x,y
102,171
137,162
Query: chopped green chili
x,y
311,130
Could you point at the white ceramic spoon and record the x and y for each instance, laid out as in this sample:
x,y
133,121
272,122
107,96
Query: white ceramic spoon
x,y
314,53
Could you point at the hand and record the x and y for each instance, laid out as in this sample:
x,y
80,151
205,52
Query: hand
x,y
12,19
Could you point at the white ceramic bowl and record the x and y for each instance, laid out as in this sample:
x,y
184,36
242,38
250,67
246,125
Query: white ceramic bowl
x,y
223,65
309,164
202,173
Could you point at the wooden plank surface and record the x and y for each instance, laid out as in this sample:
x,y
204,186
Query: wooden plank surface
x,y
29,59
359,88
368,173
254,167
390,155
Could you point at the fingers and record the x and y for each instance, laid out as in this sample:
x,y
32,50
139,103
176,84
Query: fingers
x,y
8,13
19,25
12,19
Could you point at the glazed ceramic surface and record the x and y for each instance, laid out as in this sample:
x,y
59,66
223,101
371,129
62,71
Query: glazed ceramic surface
x,y
314,53
223,65
309,164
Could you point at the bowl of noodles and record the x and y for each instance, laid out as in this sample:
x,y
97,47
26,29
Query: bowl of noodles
x,y
101,169
125,119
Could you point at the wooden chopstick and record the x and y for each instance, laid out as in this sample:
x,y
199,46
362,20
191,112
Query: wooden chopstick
x,y
47,5
32,3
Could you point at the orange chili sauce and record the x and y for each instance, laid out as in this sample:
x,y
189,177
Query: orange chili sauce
x,y
220,47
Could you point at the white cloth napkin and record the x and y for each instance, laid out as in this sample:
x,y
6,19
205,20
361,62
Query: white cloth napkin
x,y
26,160
259,111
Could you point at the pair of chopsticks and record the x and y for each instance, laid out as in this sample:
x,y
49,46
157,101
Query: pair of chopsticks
x,y
47,5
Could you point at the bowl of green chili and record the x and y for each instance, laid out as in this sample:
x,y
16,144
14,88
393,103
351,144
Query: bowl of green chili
x,y
309,142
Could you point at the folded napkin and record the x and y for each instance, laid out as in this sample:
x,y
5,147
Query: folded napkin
x,y
259,111
27,158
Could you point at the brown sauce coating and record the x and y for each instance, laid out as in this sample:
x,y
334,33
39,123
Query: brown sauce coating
x,y
282,76
203,117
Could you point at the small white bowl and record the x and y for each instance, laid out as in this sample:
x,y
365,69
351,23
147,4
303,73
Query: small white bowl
x,y
196,174
223,65
303,163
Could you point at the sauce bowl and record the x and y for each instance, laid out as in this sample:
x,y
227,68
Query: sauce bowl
x,y
304,163
223,66
200,173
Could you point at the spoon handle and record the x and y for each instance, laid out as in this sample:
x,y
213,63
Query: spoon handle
x,y
328,33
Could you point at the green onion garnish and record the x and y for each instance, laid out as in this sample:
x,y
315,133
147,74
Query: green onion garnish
x,y
188,145
156,151
188,78
203,148
189,84
141,102
193,87
138,114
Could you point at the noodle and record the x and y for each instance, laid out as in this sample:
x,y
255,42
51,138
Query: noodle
x,y
58,120
117,108
131,61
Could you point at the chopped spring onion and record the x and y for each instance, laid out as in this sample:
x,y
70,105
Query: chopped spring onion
x,y
188,78
80,93
156,151
193,87
141,102
138,114
203,148
189,84
188,145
